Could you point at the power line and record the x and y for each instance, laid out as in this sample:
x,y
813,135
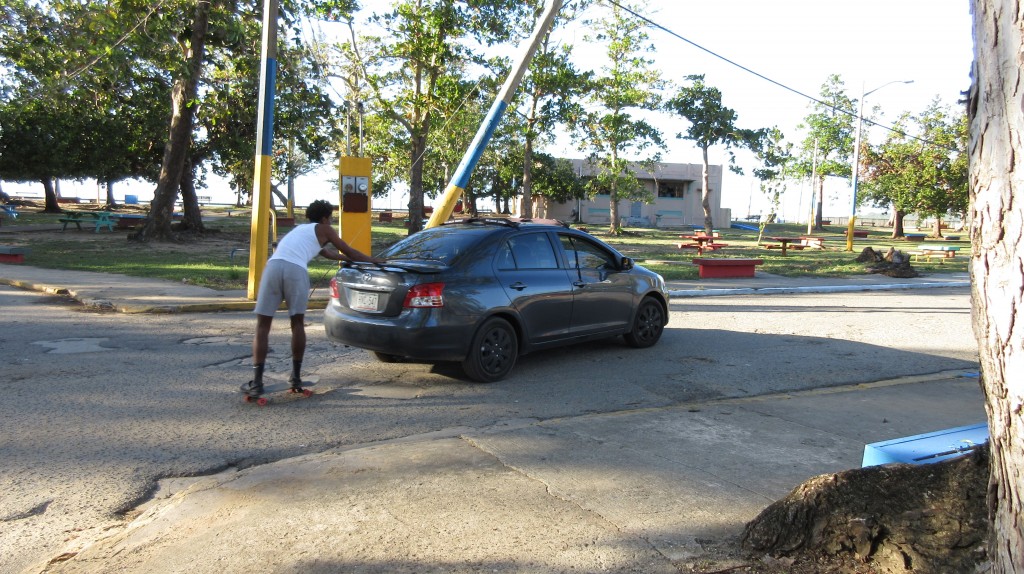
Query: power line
x,y
854,115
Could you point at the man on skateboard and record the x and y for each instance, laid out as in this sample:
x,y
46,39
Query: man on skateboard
x,y
286,278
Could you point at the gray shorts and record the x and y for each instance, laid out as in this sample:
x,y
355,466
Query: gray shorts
x,y
283,281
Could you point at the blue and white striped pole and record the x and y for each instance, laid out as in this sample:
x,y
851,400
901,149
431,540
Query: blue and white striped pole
x,y
460,179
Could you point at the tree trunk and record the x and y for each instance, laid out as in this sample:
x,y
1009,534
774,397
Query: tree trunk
x,y
705,194
183,95
996,112
418,147
111,202
897,224
938,227
820,205
526,206
613,197
192,219
49,196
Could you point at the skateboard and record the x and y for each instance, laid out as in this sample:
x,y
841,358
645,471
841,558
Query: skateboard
x,y
262,400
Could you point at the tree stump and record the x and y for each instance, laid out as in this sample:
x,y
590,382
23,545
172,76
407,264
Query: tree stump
x,y
923,519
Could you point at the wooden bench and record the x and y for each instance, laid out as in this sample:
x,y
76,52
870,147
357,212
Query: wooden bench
x,y
99,218
12,254
797,246
385,217
915,236
732,267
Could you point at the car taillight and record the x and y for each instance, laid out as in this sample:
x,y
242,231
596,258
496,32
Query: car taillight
x,y
425,295
334,288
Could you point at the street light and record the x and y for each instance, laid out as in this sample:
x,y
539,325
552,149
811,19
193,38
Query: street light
x,y
856,157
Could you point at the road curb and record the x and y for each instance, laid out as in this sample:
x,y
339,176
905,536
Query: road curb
x,y
812,289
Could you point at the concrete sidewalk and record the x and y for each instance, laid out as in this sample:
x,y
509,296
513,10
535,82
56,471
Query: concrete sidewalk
x,y
138,295
647,491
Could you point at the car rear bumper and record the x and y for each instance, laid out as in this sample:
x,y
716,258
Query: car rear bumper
x,y
416,334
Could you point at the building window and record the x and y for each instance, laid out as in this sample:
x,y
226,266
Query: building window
x,y
672,188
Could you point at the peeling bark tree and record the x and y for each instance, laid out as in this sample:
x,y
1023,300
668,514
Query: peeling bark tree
x,y
997,262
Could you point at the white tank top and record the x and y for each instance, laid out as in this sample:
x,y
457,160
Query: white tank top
x,y
299,245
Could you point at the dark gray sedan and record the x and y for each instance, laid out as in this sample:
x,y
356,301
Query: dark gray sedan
x,y
484,291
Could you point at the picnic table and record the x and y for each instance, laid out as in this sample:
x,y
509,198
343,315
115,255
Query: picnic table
x,y
99,219
701,242
940,252
784,243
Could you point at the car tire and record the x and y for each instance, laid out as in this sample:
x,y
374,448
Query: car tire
x,y
386,357
493,352
648,324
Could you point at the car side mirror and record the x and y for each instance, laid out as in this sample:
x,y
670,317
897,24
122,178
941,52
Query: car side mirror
x,y
626,264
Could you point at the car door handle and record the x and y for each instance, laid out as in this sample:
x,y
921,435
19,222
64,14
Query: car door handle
x,y
518,286
580,284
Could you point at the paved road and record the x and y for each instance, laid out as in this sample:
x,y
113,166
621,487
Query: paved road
x,y
98,406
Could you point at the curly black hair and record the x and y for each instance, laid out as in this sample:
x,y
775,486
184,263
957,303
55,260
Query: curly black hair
x,y
318,210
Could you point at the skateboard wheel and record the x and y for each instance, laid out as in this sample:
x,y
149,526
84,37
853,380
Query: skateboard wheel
x,y
307,393
261,402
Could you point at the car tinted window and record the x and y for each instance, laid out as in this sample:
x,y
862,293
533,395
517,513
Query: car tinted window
x,y
586,255
532,251
442,244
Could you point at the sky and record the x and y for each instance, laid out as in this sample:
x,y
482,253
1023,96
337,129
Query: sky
x,y
799,43
796,43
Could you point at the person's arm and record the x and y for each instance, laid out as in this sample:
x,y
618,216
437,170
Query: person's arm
x,y
326,234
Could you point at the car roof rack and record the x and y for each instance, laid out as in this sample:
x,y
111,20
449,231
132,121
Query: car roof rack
x,y
506,221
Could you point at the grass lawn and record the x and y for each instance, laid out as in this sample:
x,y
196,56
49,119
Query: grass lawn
x,y
209,262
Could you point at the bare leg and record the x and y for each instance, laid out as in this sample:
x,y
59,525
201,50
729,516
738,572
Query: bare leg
x,y
260,342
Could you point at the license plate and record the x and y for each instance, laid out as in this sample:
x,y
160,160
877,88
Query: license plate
x,y
364,300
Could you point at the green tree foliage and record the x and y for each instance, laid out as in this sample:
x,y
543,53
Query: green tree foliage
x,y
775,160
711,124
74,59
120,69
625,85
924,173
828,145
550,96
417,67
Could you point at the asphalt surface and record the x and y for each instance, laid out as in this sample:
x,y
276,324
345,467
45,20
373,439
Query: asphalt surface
x,y
645,490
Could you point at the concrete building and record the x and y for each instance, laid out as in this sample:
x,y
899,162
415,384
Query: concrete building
x,y
675,187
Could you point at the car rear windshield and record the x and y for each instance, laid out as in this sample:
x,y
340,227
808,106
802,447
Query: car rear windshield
x,y
440,244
